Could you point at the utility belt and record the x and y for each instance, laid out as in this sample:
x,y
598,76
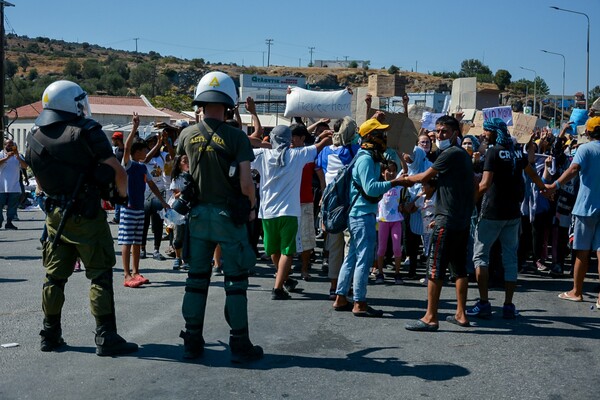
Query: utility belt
x,y
87,205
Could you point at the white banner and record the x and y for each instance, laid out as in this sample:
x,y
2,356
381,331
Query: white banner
x,y
311,104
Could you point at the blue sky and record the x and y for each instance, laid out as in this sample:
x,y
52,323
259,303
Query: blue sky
x,y
426,35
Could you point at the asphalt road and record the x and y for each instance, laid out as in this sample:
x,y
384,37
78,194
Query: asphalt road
x,y
311,352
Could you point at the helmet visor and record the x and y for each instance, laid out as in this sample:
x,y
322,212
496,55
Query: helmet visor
x,y
83,105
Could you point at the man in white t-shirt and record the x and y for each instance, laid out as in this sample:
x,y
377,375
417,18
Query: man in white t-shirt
x,y
280,170
11,163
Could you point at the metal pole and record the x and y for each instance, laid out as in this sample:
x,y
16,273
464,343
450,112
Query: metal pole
x,y
534,87
269,43
2,72
563,84
587,67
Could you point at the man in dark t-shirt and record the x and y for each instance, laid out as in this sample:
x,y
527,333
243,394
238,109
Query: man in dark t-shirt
x,y
502,190
453,208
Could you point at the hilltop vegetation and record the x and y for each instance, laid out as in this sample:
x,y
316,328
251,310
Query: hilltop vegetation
x,y
32,64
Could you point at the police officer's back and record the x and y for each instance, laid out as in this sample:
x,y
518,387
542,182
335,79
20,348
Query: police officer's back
x,y
73,161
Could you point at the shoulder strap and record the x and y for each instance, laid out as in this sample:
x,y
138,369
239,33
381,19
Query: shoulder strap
x,y
349,147
362,192
205,130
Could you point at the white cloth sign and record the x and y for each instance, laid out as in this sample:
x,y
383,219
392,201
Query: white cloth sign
x,y
504,113
311,104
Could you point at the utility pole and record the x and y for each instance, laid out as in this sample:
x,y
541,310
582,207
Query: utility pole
x,y
2,73
269,43
311,49
136,40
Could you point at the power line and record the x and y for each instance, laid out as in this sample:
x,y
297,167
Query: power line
x,y
311,49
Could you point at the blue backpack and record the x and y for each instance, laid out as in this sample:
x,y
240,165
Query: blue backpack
x,y
336,203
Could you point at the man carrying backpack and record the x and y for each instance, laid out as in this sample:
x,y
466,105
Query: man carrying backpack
x,y
365,192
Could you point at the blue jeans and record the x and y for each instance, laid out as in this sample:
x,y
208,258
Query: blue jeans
x,y
11,200
360,257
507,231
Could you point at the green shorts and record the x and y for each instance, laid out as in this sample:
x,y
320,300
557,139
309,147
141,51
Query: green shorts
x,y
279,235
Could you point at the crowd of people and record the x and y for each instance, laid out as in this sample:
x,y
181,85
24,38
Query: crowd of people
x,y
480,207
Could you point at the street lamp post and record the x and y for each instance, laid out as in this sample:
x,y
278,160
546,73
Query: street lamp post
x,y
534,87
562,103
587,68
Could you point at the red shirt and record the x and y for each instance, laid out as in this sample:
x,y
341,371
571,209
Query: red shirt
x,y
306,192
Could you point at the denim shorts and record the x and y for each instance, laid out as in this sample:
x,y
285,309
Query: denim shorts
x,y
586,233
507,232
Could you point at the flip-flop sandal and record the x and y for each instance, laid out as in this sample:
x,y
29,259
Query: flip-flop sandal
x,y
565,296
369,312
452,319
345,307
132,283
420,326
142,279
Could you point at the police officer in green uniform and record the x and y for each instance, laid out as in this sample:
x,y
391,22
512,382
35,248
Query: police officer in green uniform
x,y
73,162
220,157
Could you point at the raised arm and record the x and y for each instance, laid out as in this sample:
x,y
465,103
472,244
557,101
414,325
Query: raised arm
x,y
129,141
251,108
153,150
311,128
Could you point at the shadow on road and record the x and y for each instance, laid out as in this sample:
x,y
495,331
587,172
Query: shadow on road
x,y
353,362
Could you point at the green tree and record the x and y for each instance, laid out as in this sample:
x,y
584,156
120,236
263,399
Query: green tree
x,y
521,86
23,62
72,68
502,78
141,74
33,48
120,67
173,101
473,67
10,68
541,87
197,62
162,85
33,74
112,82
393,70
91,68
353,64
594,94
146,89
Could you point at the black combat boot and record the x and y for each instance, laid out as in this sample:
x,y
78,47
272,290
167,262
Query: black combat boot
x,y
193,345
108,342
242,350
51,334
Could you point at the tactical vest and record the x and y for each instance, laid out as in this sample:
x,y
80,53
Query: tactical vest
x,y
59,154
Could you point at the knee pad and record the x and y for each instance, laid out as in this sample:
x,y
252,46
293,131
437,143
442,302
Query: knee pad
x,y
236,285
104,280
53,281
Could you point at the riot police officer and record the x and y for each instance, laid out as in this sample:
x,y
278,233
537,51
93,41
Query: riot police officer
x,y
73,161
219,157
